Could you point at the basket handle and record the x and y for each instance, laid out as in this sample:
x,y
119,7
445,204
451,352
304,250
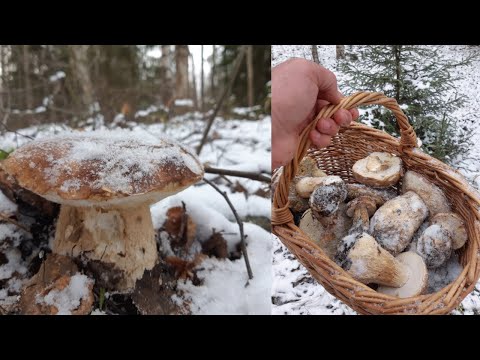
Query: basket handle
x,y
280,212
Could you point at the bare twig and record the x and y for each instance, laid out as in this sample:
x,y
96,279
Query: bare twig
x,y
6,218
236,173
240,225
226,91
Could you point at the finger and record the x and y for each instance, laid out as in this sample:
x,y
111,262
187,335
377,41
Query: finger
x,y
327,84
319,140
355,113
343,117
327,126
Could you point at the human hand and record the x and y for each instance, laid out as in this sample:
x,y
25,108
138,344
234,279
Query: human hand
x,y
300,88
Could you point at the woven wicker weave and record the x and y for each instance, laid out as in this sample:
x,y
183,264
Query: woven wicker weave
x,y
350,145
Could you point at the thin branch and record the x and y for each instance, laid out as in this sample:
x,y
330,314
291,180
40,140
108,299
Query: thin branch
x,y
6,218
240,225
236,173
226,91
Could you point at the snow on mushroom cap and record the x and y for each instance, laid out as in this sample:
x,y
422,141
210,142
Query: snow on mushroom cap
x,y
104,166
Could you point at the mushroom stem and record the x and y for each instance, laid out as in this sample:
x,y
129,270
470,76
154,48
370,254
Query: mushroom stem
x,y
122,237
370,263
360,221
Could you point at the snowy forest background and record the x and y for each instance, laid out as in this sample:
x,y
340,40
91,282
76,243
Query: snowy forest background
x,y
437,87
166,90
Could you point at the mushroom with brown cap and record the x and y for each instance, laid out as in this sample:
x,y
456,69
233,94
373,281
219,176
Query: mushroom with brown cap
x,y
395,222
378,169
402,276
360,210
454,225
379,195
431,194
435,246
105,182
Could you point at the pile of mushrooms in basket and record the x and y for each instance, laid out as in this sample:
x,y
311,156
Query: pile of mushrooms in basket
x,y
399,242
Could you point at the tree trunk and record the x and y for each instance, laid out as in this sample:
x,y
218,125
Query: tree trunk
x,y
3,77
79,65
166,76
315,54
181,76
340,50
202,86
212,72
398,71
194,84
26,74
250,90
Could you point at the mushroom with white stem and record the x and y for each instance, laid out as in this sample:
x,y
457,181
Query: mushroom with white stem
x,y
431,194
395,222
326,232
327,196
402,276
435,246
105,182
453,224
378,169
360,210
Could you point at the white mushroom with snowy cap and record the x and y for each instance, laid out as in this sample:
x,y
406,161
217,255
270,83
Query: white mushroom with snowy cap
x,y
395,222
402,276
435,246
378,169
327,196
431,194
454,225
105,182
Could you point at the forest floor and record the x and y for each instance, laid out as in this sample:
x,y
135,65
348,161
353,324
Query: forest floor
x,y
294,291
212,283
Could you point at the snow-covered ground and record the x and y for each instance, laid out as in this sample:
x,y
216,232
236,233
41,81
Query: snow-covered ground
x,y
237,144
294,291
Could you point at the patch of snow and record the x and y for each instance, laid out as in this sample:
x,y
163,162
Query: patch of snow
x,y
7,207
184,102
57,76
69,298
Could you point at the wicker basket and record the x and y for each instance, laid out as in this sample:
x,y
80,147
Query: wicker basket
x,y
350,145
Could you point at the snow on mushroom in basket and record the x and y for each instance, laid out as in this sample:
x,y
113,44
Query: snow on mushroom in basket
x,y
105,182
402,276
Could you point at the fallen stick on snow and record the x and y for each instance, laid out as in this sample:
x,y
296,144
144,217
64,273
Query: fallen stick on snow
x,y
240,225
236,173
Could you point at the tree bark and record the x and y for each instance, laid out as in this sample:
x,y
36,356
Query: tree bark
x,y
181,76
315,54
26,77
398,71
79,65
194,84
212,72
202,85
166,76
340,51
3,77
250,91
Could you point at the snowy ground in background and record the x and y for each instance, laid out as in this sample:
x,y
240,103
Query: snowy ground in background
x,y
238,144
294,291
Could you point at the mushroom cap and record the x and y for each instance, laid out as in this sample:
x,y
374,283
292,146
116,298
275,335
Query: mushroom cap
x,y
363,201
394,224
379,195
417,280
431,194
378,169
309,167
306,185
435,246
453,224
104,168
328,195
